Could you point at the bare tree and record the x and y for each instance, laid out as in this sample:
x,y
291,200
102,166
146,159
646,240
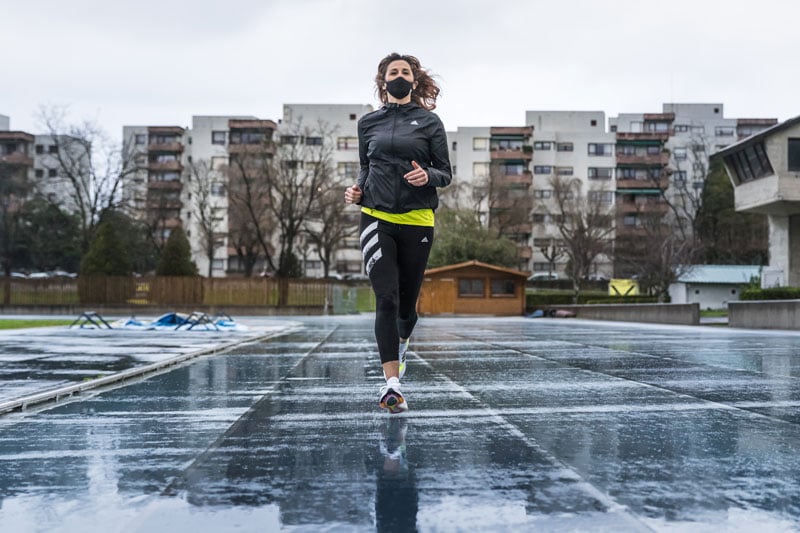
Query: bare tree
x,y
91,164
585,223
688,175
250,222
552,252
328,226
205,186
509,205
659,253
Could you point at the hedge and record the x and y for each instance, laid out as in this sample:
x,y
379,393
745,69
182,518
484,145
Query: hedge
x,y
775,293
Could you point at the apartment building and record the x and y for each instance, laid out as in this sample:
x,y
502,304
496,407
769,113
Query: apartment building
x,y
183,176
492,177
36,159
334,126
568,145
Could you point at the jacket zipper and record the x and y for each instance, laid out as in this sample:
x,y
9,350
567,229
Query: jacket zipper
x,y
396,181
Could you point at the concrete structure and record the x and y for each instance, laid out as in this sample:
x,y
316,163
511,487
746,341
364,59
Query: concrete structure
x,y
712,286
473,288
687,314
765,314
764,169
5,123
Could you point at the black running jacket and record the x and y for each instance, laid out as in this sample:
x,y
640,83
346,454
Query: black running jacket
x,y
388,140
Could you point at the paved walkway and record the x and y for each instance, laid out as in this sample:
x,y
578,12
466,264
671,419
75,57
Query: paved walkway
x,y
515,425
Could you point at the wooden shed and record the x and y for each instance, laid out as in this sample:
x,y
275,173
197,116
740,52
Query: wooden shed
x,y
473,288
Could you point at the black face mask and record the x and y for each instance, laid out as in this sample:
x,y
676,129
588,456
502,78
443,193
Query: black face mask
x,y
399,87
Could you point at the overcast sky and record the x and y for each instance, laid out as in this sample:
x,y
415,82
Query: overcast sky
x,y
158,62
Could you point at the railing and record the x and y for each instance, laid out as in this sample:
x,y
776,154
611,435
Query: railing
x,y
162,290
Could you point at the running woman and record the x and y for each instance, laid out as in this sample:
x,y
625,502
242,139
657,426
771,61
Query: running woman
x,y
404,157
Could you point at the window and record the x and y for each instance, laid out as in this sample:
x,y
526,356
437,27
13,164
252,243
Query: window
x,y
347,143
656,126
564,147
653,150
39,149
593,123
313,141
219,162
52,149
289,139
541,243
480,144
248,137
752,162
480,169
680,128
724,131
601,173
564,171
679,176
542,145
630,220
353,116
698,129
679,154
291,164
542,169
542,193
470,287
512,169
503,287
140,138
218,264
52,173
506,144
601,149
39,173
348,169
218,137
217,189
601,197
794,155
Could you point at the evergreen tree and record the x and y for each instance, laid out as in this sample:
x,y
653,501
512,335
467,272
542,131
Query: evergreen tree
x,y
107,254
176,257
460,237
729,237
52,237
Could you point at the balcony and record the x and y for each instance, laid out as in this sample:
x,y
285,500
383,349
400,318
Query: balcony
x,y
165,166
522,131
650,160
524,252
155,203
258,149
655,183
521,154
505,180
17,159
171,147
630,137
525,228
174,185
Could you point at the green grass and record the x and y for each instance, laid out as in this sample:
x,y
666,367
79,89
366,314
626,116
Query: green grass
x,y
9,323
713,312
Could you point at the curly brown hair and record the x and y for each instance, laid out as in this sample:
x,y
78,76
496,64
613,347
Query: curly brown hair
x,y
424,94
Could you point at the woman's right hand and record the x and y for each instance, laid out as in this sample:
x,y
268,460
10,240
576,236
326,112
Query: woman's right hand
x,y
352,195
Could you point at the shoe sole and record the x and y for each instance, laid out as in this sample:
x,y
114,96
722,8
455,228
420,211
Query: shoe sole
x,y
394,403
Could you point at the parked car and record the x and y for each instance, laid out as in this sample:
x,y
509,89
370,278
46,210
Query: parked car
x,y
543,276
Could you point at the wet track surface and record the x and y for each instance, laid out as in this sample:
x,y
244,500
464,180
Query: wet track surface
x,y
514,424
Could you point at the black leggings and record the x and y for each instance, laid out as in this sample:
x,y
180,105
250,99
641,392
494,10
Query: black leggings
x,y
395,257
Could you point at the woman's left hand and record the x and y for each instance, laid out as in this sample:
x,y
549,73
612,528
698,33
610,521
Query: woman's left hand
x,y
417,177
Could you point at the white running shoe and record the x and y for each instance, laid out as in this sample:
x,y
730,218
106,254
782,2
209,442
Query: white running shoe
x,y
402,357
392,399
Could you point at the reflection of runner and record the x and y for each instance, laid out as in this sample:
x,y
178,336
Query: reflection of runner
x,y
396,498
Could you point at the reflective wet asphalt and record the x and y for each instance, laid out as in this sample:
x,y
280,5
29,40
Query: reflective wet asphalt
x,y
515,424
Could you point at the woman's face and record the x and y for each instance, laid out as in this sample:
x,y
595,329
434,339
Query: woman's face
x,y
399,68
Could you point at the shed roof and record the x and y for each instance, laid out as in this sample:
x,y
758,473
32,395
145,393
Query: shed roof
x,y
474,262
723,274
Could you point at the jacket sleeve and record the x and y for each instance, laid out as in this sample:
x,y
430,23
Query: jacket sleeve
x,y
362,158
439,172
